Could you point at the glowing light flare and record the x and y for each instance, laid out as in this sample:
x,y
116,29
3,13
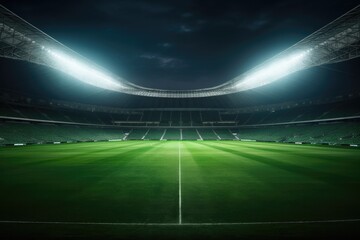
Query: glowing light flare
x,y
274,71
84,72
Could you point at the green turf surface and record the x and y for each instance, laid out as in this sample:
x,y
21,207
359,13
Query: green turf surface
x,y
138,182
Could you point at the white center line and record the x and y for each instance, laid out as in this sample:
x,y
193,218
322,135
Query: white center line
x,y
180,216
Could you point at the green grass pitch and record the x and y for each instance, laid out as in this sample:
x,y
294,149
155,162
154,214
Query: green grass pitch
x,y
172,189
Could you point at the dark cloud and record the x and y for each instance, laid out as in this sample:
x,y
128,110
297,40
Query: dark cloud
x,y
164,62
187,15
185,29
166,45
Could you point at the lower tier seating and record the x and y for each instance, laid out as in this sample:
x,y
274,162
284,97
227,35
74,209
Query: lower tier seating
x,y
12,132
24,132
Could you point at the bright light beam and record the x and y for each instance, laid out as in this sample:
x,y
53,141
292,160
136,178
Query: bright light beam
x,y
274,71
83,72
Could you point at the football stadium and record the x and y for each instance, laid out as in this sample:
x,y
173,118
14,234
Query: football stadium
x,y
179,120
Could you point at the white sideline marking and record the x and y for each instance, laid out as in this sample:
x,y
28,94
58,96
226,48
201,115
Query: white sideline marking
x,y
180,215
185,224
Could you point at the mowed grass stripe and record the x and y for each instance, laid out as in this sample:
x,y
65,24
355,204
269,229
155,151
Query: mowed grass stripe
x,y
266,156
267,185
311,152
215,182
118,185
326,165
137,182
57,153
130,190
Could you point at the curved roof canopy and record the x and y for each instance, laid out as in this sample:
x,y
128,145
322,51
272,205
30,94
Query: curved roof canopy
x,y
336,42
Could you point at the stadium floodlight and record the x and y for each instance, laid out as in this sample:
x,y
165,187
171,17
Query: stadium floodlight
x,y
336,42
83,71
274,71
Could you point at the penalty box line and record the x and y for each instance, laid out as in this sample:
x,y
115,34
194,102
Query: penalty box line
x,y
185,224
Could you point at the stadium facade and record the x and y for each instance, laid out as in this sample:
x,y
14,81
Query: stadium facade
x,y
331,121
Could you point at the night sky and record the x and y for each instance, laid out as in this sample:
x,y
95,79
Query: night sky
x,y
178,45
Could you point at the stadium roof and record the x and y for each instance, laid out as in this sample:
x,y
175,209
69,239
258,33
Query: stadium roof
x,y
336,42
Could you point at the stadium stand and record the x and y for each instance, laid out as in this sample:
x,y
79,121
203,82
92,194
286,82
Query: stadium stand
x,y
154,134
137,134
190,134
25,132
331,122
208,134
224,134
329,133
172,134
